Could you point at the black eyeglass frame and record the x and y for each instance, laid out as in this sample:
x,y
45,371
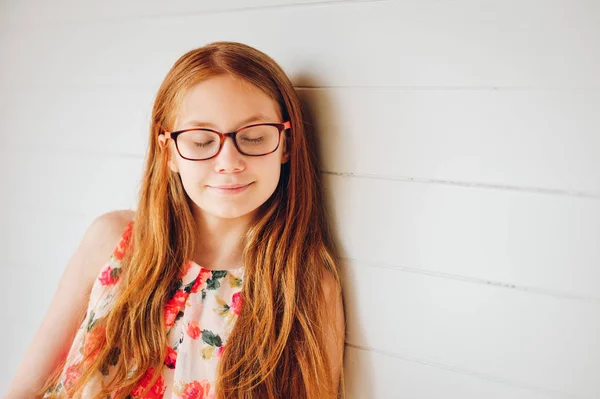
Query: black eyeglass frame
x,y
283,127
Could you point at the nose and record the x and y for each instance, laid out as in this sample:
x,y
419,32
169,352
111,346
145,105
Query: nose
x,y
229,160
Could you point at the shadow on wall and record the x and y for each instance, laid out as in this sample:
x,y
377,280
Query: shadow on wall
x,y
354,370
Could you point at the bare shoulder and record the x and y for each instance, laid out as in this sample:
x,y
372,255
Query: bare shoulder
x,y
330,286
333,309
100,239
110,225
97,244
334,324
94,250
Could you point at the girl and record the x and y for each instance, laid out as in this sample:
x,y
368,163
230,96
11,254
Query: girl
x,y
225,282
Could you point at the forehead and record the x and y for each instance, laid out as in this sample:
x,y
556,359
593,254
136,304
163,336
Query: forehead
x,y
224,101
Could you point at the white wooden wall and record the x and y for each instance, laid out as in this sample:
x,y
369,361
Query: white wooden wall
x,y
460,143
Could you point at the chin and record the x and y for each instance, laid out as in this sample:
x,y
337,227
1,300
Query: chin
x,y
230,213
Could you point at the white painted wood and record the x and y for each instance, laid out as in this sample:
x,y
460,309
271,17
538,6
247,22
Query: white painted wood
x,y
109,121
70,182
534,242
540,140
39,243
461,44
520,338
371,374
17,12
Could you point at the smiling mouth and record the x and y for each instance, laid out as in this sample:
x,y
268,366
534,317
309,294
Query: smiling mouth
x,y
231,188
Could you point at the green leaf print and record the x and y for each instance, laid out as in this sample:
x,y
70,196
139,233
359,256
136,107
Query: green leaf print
x,y
211,338
213,283
115,272
91,322
179,316
113,356
57,388
234,281
188,287
175,287
111,360
222,307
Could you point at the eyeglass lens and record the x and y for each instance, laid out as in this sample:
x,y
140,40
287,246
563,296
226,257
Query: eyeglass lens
x,y
202,144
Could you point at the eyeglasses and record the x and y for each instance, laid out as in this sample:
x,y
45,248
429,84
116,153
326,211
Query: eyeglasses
x,y
197,144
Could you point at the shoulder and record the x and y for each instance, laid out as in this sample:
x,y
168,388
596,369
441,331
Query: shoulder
x,y
101,238
334,324
333,306
110,226
330,286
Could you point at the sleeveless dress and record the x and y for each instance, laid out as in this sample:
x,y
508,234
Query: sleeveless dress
x,y
199,319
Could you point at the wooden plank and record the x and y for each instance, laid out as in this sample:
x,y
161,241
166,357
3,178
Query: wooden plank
x,y
19,12
536,140
521,339
525,241
371,374
460,44
82,183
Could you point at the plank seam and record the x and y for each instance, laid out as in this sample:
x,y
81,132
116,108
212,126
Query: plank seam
x,y
477,185
475,374
498,284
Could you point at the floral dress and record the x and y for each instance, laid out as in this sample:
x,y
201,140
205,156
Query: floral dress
x,y
199,319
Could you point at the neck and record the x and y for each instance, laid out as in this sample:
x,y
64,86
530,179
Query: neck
x,y
220,241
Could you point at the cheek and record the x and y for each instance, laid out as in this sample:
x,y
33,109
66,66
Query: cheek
x,y
271,180
271,170
193,175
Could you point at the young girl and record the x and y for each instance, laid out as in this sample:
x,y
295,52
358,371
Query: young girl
x,y
225,282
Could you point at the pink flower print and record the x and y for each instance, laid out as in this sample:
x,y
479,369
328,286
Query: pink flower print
x,y
193,329
236,303
196,390
119,252
200,282
220,350
109,276
171,358
94,341
156,392
73,373
174,306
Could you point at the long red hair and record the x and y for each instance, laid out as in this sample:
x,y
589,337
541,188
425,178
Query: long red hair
x,y
277,346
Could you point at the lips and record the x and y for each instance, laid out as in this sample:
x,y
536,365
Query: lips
x,y
230,189
230,186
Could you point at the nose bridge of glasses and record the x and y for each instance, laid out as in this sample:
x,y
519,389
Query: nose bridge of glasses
x,y
232,136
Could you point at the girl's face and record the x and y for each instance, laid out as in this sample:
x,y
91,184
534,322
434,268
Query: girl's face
x,y
225,103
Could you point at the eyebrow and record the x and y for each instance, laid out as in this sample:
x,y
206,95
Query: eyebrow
x,y
254,118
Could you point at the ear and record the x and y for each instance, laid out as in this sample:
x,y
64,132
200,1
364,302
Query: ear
x,y
161,141
163,145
